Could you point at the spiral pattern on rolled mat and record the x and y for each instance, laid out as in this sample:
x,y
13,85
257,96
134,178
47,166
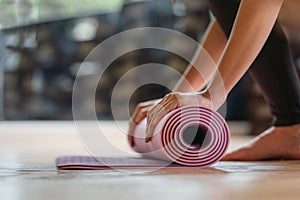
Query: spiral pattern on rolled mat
x,y
192,136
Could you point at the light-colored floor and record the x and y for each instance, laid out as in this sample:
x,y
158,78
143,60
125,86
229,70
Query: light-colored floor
x,y
27,170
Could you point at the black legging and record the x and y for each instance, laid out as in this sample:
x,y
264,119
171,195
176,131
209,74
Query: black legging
x,y
274,69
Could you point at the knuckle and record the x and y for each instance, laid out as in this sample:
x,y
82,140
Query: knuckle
x,y
144,110
168,95
171,95
176,94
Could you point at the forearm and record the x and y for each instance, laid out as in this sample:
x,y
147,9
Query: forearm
x,y
202,67
253,24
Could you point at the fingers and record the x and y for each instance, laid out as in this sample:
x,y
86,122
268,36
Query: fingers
x,y
168,103
157,112
141,111
130,137
138,115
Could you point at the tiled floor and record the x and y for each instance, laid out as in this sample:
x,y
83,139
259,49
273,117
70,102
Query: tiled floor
x,y
27,170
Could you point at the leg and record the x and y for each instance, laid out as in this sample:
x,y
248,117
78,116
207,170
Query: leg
x,y
275,72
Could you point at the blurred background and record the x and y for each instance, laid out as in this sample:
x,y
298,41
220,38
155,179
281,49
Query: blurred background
x,y
44,42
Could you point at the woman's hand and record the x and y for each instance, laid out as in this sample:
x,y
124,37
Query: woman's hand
x,y
138,115
170,102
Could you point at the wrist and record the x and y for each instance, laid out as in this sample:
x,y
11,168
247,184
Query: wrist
x,y
215,97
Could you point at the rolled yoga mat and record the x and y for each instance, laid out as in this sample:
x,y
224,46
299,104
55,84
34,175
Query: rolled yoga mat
x,y
190,136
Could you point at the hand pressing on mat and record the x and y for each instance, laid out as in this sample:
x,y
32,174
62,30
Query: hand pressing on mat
x,y
138,115
170,102
255,36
